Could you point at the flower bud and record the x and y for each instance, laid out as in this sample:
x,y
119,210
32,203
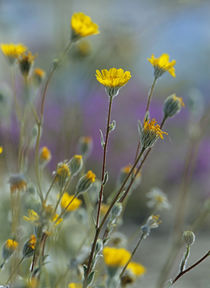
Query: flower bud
x,y
29,246
86,182
38,76
45,156
25,62
62,173
9,247
189,237
17,183
76,164
85,146
172,105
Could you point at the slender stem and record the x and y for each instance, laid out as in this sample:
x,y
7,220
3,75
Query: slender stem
x,y
191,267
13,272
150,93
50,188
132,254
104,161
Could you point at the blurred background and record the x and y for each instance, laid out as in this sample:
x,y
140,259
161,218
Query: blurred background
x,y
77,105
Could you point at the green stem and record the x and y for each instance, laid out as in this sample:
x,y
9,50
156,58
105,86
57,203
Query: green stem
x,y
151,93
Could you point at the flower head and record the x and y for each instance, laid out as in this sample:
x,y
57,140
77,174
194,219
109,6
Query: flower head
x,y
113,79
162,65
76,164
32,216
26,60
172,105
62,173
151,223
38,75
29,246
82,26
8,248
1,149
45,155
116,257
157,199
13,51
74,285
136,268
17,182
150,132
70,204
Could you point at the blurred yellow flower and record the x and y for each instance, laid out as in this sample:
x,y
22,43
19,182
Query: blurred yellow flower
x,y
136,268
63,170
116,257
38,75
45,154
32,216
13,51
11,244
32,242
74,285
90,176
1,149
66,199
82,26
162,65
56,219
25,62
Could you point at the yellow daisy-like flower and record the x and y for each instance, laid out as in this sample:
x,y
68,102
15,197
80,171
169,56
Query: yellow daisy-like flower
x,y
66,199
91,176
151,126
11,244
45,154
136,268
113,79
162,65
82,26
116,257
74,285
1,149
13,51
25,62
32,216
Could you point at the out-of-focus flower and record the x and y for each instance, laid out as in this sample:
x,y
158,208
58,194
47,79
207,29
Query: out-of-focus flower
x,y
124,173
162,65
75,164
45,155
113,79
152,223
29,246
13,51
1,149
189,237
85,145
66,199
86,181
56,219
157,199
82,26
8,248
74,285
133,271
32,216
62,173
172,105
116,257
26,61
38,76
150,132
17,182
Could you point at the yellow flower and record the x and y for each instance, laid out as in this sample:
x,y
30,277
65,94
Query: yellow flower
x,y
32,242
136,268
45,154
13,51
63,170
11,244
32,216
56,219
25,62
82,26
162,65
151,126
1,149
66,199
116,257
74,285
17,183
113,79
91,176
38,75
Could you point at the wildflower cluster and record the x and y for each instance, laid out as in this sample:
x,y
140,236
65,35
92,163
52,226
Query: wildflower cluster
x,y
71,205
